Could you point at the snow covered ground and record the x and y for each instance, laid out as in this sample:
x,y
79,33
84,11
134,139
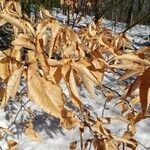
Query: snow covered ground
x,y
56,138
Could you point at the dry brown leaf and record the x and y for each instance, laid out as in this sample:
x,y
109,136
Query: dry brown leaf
x,y
131,66
23,41
69,120
99,144
130,132
99,75
83,70
91,29
126,141
134,58
45,94
98,127
41,56
135,85
4,66
12,145
16,22
53,62
110,144
12,85
128,74
2,22
73,145
74,91
144,90
135,100
89,85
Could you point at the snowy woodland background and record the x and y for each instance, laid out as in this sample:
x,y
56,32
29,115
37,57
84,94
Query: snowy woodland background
x,y
74,74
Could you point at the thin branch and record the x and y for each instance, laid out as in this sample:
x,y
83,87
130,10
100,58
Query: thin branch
x,y
137,22
127,102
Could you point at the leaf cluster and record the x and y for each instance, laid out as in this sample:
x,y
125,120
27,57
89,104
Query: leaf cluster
x,y
48,52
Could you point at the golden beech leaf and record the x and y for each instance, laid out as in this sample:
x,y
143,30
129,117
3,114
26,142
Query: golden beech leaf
x,y
55,74
65,69
73,90
89,85
15,29
12,85
54,93
18,8
4,69
134,58
130,132
131,66
129,136
22,41
75,37
78,79
29,28
128,74
44,93
72,83
105,144
135,100
11,9
105,39
109,95
99,144
12,145
13,82
98,127
98,75
110,144
52,72
108,49
80,50
31,56
126,141
69,120
71,51
16,54
55,31
83,70
4,64
53,62
73,145
85,62
2,22
13,21
41,56
96,64
91,29
143,50
135,85
48,14
145,90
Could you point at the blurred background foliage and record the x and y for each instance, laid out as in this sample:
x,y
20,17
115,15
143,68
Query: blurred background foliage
x,y
128,11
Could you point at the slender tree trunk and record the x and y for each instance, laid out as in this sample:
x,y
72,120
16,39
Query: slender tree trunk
x,y
68,15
